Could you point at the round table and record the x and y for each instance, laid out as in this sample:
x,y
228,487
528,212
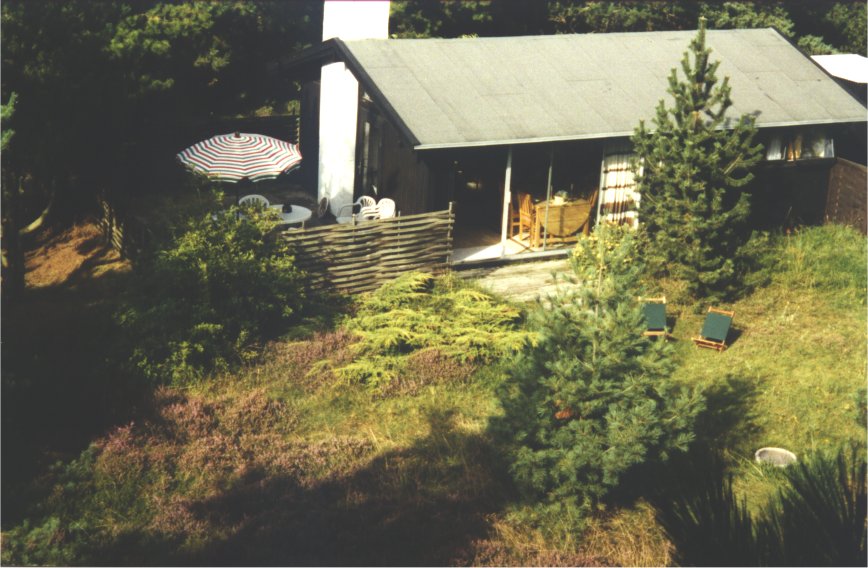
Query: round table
x,y
298,214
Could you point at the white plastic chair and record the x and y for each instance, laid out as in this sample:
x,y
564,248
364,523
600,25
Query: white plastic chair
x,y
386,208
253,199
345,213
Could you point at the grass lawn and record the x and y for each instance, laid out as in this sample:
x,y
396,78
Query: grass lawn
x,y
278,464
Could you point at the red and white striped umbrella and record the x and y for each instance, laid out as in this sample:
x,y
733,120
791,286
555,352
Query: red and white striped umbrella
x,y
238,156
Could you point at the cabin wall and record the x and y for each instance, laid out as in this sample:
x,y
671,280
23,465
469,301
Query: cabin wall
x,y
386,166
308,136
405,175
847,201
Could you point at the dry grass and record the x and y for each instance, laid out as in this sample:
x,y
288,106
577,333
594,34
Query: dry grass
x,y
628,537
66,257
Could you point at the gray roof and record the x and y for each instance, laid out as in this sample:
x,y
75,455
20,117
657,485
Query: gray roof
x,y
485,91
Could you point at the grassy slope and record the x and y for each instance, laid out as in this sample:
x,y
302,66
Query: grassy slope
x,y
272,466
799,356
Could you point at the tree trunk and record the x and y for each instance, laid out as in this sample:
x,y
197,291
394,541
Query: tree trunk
x,y
12,276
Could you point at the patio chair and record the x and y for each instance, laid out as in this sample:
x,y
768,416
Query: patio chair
x,y
345,213
521,218
715,329
655,316
386,208
253,199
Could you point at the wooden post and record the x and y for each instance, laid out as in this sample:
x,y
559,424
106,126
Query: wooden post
x,y
548,196
601,190
449,233
507,198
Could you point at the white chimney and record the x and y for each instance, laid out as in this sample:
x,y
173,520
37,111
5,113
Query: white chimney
x,y
339,96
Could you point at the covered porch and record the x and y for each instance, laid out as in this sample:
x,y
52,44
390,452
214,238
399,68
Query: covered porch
x,y
535,200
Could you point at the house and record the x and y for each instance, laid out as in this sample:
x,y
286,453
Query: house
x,y
477,121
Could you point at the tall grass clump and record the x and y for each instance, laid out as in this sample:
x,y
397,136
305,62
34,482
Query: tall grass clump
x,y
829,258
209,298
593,398
419,325
816,518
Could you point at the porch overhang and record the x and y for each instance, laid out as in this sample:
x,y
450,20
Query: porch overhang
x,y
612,135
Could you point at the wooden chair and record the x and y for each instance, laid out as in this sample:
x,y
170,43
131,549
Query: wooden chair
x,y
655,316
253,199
514,219
715,329
586,228
521,215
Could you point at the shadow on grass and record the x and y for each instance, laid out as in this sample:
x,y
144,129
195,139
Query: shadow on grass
x,y
61,385
424,505
734,334
691,483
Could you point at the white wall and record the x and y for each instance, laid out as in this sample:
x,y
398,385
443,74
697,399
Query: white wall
x,y
339,96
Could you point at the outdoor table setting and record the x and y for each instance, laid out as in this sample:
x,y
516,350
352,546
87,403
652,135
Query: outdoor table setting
x,y
292,214
565,219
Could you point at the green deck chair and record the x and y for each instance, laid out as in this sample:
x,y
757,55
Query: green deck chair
x,y
655,316
715,329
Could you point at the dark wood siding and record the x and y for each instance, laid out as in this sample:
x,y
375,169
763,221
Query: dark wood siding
x,y
847,202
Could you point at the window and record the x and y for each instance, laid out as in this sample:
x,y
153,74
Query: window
x,y
800,145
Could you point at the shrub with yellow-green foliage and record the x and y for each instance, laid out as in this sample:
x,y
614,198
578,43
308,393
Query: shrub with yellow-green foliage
x,y
419,312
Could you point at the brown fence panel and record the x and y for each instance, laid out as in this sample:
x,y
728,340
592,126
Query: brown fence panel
x,y
847,200
358,258
125,234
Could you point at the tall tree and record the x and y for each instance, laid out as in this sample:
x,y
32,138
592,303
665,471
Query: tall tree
x,y
692,168
108,92
12,254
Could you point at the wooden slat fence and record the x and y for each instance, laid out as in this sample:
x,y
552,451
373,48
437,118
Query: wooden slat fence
x,y
847,200
359,258
127,235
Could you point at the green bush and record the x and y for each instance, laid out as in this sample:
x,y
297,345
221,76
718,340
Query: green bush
x,y
210,298
417,312
593,398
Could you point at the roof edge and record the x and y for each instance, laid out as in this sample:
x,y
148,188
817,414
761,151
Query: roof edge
x,y
377,95
605,136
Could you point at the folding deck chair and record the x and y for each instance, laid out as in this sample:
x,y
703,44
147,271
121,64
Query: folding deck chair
x,y
655,316
715,329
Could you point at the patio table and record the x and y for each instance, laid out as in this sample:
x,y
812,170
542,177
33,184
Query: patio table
x,y
565,220
298,214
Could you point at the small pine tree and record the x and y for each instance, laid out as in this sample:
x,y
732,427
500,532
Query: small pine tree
x,y
693,164
593,397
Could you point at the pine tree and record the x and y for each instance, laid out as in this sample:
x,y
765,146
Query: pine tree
x,y
593,397
694,164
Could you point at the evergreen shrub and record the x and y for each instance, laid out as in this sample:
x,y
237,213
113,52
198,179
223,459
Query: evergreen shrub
x,y
593,397
208,299
417,312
